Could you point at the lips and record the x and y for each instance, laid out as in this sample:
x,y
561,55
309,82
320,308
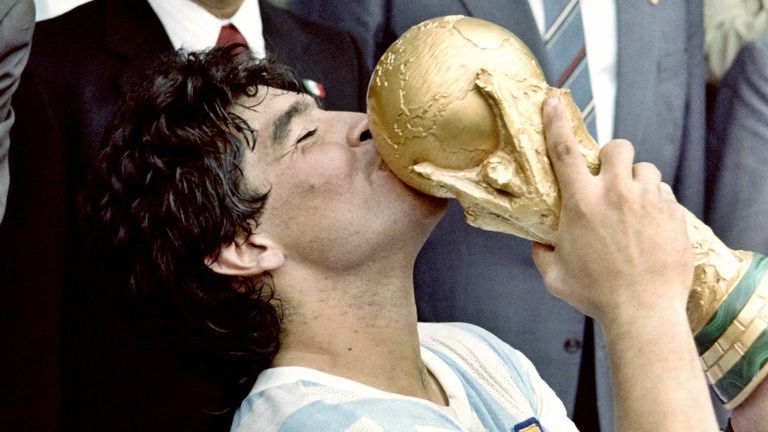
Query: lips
x,y
375,162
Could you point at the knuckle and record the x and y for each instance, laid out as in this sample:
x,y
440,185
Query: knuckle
x,y
618,146
666,192
561,148
617,150
623,145
579,209
647,167
621,192
647,174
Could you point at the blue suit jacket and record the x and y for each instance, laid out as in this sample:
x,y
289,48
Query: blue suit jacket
x,y
739,152
465,274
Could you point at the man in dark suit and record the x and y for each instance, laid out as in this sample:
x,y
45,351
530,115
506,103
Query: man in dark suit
x,y
488,278
69,344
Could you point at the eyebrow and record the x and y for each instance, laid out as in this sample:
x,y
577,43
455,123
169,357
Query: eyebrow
x,y
283,122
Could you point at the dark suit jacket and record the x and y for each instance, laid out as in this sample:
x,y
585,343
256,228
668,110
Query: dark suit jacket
x,y
70,351
464,274
738,202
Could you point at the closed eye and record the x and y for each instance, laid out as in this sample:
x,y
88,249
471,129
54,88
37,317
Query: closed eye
x,y
307,135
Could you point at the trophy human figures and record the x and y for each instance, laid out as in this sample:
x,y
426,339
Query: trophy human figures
x,y
454,106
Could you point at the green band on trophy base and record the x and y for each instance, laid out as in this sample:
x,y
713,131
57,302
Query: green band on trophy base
x,y
737,377
732,305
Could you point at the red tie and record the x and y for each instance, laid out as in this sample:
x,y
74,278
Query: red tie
x,y
230,34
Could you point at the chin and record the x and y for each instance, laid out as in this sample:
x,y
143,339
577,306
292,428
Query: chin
x,y
425,210
409,217
431,205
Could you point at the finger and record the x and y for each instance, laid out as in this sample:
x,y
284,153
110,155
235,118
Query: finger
x,y
570,169
616,159
665,191
546,260
543,256
646,172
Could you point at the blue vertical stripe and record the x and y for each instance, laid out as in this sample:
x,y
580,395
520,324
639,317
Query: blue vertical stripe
x,y
564,39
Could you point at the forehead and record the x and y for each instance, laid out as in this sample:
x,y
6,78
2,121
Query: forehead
x,y
271,106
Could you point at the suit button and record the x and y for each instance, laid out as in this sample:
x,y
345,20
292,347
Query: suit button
x,y
572,345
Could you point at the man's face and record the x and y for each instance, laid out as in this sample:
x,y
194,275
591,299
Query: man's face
x,y
331,198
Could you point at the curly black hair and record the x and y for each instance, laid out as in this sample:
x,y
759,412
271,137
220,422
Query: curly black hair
x,y
167,192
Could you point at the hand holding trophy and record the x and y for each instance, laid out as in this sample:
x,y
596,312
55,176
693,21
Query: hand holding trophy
x,y
455,110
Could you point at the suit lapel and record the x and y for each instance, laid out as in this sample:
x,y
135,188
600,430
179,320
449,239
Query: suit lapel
x,y
280,38
269,30
637,57
520,22
134,32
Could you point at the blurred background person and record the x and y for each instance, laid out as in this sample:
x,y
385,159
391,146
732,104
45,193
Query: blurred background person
x,y
16,24
77,362
728,25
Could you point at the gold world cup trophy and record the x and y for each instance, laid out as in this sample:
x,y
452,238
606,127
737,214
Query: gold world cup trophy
x,y
455,110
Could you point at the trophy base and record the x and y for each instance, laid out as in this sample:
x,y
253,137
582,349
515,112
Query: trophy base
x,y
748,389
733,345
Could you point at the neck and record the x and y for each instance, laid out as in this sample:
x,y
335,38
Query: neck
x,y
223,9
361,327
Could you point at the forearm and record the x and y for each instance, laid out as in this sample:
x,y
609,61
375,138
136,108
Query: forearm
x,y
658,380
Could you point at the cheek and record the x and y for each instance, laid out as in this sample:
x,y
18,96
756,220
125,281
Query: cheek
x,y
326,172
315,183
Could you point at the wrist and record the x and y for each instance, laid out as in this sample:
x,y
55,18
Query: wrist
x,y
657,375
645,315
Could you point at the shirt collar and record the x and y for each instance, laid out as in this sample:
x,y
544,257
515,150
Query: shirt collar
x,y
192,27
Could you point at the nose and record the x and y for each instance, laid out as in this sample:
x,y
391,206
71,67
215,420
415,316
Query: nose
x,y
358,133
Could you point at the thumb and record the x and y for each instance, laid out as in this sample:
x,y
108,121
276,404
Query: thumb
x,y
545,259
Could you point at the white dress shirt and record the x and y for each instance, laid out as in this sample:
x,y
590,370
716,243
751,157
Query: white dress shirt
x,y
600,37
192,27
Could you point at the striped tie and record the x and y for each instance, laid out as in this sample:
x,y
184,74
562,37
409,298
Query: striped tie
x,y
567,52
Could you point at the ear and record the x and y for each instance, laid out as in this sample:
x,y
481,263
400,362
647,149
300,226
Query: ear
x,y
256,255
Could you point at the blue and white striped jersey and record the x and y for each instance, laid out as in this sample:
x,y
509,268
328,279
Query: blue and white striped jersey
x,y
489,385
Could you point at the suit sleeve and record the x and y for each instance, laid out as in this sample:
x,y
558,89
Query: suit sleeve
x,y
15,39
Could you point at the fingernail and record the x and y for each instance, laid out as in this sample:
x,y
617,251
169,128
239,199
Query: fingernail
x,y
551,101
